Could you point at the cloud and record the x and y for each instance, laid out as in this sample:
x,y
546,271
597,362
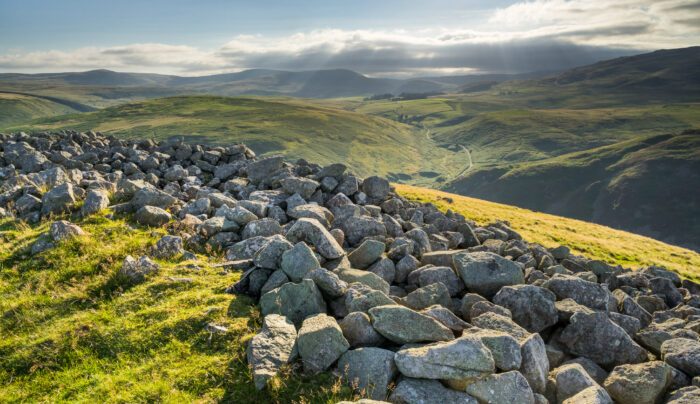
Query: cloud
x,y
526,36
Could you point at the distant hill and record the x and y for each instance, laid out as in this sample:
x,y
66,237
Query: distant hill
x,y
16,108
645,185
368,144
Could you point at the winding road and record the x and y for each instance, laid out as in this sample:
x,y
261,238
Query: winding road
x,y
469,155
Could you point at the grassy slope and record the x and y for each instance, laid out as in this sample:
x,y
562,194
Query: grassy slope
x,y
291,128
592,240
16,108
640,185
74,330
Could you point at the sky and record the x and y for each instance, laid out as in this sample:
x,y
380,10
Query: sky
x,y
386,38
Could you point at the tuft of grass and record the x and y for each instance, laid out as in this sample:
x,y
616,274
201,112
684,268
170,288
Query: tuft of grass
x,y
589,239
75,330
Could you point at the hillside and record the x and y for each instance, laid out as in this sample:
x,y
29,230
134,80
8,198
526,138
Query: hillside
x,y
641,185
17,108
289,128
182,288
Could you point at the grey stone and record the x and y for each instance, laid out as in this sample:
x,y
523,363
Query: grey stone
x,y
421,391
152,216
403,325
298,261
485,273
570,380
351,275
535,364
276,279
444,275
360,297
136,270
369,370
504,347
682,353
376,187
642,383
504,388
63,229
270,254
590,395
310,230
493,321
265,227
95,201
446,317
273,347
357,329
295,301
60,199
435,293
589,294
312,211
532,307
327,281
167,247
366,253
320,342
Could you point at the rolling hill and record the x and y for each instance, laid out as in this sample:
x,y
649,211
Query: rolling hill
x,y
645,185
368,144
16,108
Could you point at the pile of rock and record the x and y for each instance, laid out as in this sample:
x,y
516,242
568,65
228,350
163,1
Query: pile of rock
x,y
407,303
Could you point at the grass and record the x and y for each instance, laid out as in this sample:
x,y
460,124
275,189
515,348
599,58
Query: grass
x,y
589,239
17,108
74,330
294,129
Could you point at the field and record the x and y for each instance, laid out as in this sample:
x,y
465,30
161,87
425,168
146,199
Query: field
x,y
17,108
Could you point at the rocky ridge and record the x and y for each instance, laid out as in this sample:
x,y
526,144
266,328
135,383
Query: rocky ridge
x,y
406,303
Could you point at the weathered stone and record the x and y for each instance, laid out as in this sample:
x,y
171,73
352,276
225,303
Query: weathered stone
x,y
493,321
369,370
310,230
167,247
504,348
570,380
63,229
376,187
532,307
95,201
589,294
590,395
446,317
320,342
435,293
403,325
152,216
274,281
295,301
273,347
485,273
444,275
311,211
504,388
599,339
357,329
642,383
460,361
535,364
351,275
265,227
136,270
60,199
682,353
261,171
421,391
360,297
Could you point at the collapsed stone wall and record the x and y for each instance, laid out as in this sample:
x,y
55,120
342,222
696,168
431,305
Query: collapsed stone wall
x,y
407,303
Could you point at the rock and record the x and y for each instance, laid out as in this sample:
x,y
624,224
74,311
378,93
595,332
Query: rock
x,y
305,187
596,372
485,273
327,282
406,265
570,380
480,308
435,293
376,188
58,200
95,201
152,216
151,197
589,294
167,247
320,342
444,275
297,261
535,364
590,395
270,254
265,227
440,258
357,329
642,383
311,211
403,325
261,171
351,275
385,269
686,395
532,307
367,253
136,270
421,391
40,246
360,297
630,307
493,321
63,229
504,388
665,288
276,279
310,230
296,301
369,370
446,318
273,347
682,353
504,348
599,339
459,362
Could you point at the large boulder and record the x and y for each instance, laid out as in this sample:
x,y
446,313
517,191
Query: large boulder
x,y
298,261
435,293
532,307
360,297
95,201
682,353
327,282
310,230
403,325
370,279
504,347
261,171
273,347
320,342
295,301
369,370
152,216
589,294
642,383
422,391
596,337
485,273
459,362
366,254
358,331
570,380
376,188
504,388
58,200
535,363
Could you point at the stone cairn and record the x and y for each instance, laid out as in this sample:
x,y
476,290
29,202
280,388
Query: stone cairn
x,y
406,303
